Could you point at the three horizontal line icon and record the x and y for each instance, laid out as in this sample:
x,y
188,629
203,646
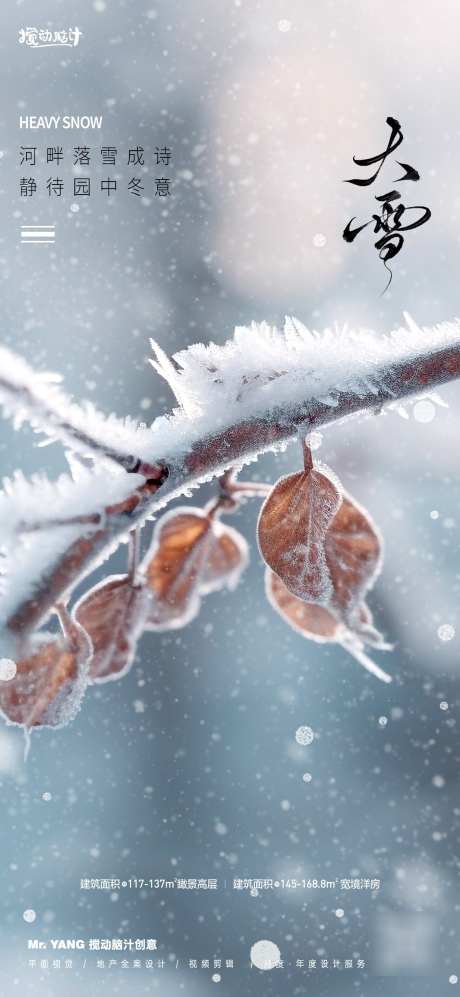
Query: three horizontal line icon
x,y
38,234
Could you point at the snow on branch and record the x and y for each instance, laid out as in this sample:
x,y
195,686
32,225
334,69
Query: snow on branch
x,y
27,396
235,401
29,552
262,367
259,371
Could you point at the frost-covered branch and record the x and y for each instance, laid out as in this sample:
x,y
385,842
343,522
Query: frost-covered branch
x,y
36,398
236,401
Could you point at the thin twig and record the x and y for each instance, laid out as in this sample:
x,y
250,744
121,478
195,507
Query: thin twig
x,y
33,526
134,553
251,489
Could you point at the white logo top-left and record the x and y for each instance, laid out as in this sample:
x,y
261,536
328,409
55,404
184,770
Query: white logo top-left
x,y
43,38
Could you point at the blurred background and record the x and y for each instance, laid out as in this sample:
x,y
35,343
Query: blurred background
x,y
189,766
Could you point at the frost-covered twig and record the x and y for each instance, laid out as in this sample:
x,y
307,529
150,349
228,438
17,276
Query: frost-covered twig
x,y
35,398
236,401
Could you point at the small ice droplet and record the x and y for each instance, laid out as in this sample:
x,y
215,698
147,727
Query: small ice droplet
x,y
216,978
46,797
438,781
444,705
307,777
446,632
424,411
434,514
453,978
265,954
319,240
383,721
339,912
8,669
29,915
75,208
284,25
304,735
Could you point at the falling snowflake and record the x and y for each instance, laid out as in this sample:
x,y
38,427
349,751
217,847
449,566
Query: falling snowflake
x,y
265,954
304,735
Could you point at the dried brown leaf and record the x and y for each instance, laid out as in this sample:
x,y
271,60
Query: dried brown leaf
x,y
327,551
308,618
50,680
173,567
319,624
113,613
292,527
353,549
191,554
226,559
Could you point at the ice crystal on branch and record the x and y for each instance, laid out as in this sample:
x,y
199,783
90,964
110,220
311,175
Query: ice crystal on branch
x,y
262,367
27,396
260,373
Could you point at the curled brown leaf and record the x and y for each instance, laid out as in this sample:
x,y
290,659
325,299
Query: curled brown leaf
x,y
173,566
226,559
319,624
326,552
191,554
307,618
51,677
113,613
292,527
353,549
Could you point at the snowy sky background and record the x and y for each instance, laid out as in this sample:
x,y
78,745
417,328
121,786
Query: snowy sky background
x,y
189,766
